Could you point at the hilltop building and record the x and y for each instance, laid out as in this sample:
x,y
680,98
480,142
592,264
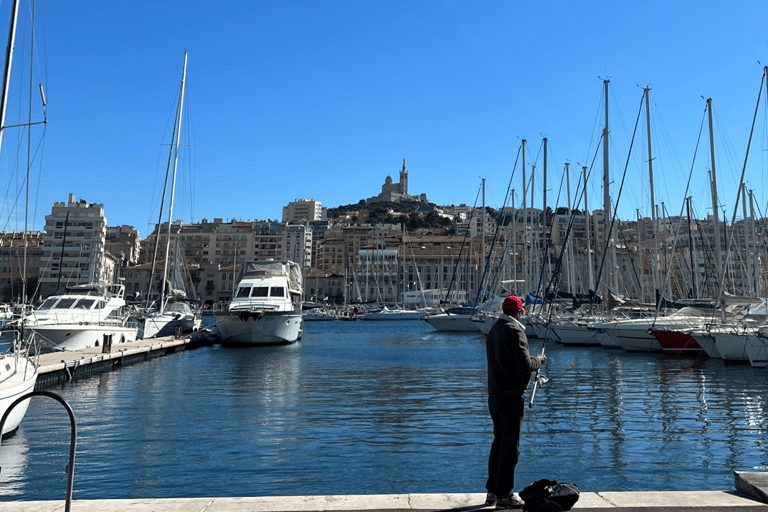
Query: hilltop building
x,y
394,192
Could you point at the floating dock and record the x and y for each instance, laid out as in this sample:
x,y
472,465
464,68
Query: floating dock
x,y
57,368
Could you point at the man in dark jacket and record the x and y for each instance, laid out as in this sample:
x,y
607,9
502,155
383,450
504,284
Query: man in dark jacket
x,y
509,372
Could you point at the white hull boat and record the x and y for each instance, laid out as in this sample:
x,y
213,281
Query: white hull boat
x,y
757,349
457,319
18,375
706,341
732,346
266,308
396,314
260,328
176,316
83,316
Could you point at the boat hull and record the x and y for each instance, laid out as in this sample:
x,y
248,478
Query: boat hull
x,y
447,322
757,350
58,337
165,325
395,315
16,380
677,343
259,327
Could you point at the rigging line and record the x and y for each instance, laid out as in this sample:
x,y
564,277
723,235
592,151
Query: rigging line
x,y
738,196
549,244
615,211
682,208
498,225
461,248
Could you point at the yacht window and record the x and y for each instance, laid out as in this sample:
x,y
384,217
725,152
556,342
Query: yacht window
x,y
65,303
262,291
84,304
277,291
48,304
243,291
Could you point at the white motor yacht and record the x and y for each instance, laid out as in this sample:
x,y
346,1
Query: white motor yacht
x,y
266,307
82,316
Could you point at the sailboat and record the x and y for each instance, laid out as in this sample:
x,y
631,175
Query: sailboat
x,y
18,372
178,311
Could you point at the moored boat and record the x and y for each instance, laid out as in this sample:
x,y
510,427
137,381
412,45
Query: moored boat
x,y
82,316
266,308
458,318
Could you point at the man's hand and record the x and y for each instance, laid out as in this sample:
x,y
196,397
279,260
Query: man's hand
x,y
541,358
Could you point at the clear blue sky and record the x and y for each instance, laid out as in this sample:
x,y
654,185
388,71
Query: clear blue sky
x,y
323,99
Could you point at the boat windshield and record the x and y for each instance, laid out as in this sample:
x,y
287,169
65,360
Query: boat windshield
x,y
261,291
48,304
85,304
66,303
277,291
243,291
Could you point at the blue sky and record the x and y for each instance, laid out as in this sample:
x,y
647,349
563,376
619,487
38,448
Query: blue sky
x,y
323,100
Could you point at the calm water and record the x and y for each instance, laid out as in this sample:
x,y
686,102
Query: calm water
x,y
377,407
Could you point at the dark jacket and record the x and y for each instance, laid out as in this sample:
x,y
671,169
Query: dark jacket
x,y
509,363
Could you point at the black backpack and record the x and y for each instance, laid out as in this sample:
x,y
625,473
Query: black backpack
x,y
549,496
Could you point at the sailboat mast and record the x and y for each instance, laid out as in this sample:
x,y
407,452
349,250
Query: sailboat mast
x,y
175,156
713,181
587,226
655,269
526,263
7,69
568,245
606,186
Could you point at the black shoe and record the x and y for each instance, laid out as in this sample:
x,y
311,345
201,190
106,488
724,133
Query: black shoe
x,y
490,498
513,501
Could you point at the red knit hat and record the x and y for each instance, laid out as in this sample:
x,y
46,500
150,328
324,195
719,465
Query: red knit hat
x,y
513,302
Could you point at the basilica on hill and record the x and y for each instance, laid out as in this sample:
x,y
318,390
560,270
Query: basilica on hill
x,y
395,192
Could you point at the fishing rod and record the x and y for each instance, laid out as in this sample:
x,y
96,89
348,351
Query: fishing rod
x,y
540,380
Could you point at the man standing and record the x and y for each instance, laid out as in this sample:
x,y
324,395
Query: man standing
x,y
509,372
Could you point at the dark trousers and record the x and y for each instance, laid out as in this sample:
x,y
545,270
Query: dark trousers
x,y
507,413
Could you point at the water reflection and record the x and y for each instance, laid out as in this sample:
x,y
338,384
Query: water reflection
x,y
13,464
362,407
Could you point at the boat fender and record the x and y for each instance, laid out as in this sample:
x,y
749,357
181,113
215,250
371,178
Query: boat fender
x,y
122,338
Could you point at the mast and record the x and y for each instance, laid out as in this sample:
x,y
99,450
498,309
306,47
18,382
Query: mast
x,y
606,188
544,212
175,157
694,291
588,227
7,69
568,245
713,181
526,262
654,217
747,244
753,243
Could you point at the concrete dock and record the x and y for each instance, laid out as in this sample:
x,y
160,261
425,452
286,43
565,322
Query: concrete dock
x,y
709,501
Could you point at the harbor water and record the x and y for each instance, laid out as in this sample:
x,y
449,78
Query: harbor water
x,y
381,408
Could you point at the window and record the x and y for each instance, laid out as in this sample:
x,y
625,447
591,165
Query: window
x,y
277,291
262,291
243,291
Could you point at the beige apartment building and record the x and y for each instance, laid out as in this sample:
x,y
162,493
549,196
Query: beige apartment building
x,y
74,246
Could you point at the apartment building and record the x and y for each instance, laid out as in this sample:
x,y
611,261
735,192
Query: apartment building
x,y
302,211
74,244
12,264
